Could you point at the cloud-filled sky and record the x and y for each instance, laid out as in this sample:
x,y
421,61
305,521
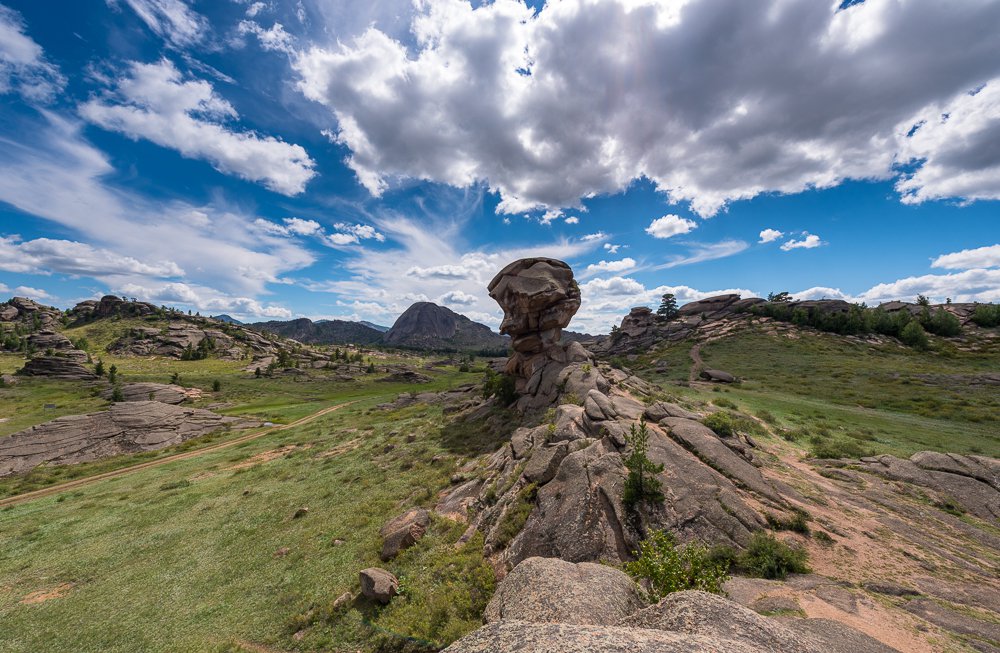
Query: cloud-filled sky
x,y
336,159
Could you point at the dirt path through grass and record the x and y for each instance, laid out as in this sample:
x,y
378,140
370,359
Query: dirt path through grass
x,y
62,487
697,364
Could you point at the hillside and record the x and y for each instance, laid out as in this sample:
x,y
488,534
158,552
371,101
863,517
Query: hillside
x,y
425,325
832,444
325,332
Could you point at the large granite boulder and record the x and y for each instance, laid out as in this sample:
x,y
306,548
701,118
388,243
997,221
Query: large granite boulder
x,y
553,590
127,427
684,622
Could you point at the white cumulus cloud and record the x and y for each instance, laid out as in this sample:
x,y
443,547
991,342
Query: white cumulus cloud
x,y
611,266
154,102
23,66
808,241
670,225
711,101
770,235
980,257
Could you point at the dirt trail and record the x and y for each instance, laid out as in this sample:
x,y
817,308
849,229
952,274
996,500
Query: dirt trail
x,y
69,485
697,364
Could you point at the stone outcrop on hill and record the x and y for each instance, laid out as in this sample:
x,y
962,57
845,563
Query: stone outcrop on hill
x,y
29,312
57,367
109,306
234,344
326,332
426,325
551,605
126,427
161,392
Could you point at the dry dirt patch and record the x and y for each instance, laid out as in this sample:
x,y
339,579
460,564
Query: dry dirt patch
x,y
341,449
41,596
264,457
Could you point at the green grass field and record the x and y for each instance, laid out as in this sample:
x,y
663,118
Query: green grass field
x,y
199,555
823,388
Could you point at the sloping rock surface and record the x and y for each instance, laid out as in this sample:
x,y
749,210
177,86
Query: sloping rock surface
x,y
124,428
161,392
57,367
553,590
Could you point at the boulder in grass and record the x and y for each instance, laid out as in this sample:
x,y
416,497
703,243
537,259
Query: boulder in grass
x,y
402,532
378,584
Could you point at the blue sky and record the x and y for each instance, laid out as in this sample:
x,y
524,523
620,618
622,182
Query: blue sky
x,y
342,159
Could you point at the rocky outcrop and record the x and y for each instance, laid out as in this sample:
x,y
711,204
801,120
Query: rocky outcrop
x,y
425,325
30,313
717,376
403,531
57,367
109,306
124,428
967,483
378,584
325,332
234,344
161,392
553,590
556,606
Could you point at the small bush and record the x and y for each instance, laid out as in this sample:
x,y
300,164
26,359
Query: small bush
x,y
914,336
216,385
641,484
766,416
767,557
838,449
722,402
667,567
798,522
176,485
516,515
500,386
726,424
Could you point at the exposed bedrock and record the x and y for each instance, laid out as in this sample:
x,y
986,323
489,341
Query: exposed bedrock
x,y
126,427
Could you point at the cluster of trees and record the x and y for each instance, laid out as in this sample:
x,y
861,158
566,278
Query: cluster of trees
x,y
987,315
347,356
859,320
201,352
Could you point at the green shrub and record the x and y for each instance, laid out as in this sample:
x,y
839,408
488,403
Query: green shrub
x,y
500,386
914,336
798,522
722,402
726,424
216,385
117,395
838,449
668,567
987,315
768,557
516,515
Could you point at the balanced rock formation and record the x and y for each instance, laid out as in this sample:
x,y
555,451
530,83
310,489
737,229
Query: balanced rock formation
x,y
123,428
539,297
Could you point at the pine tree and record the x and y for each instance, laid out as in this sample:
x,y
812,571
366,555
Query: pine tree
x,y
668,307
641,484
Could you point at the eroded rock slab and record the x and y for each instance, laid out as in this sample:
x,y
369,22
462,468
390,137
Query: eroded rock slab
x,y
126,427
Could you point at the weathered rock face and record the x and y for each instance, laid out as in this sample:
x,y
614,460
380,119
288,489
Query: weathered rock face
x,y
123,428
161,392
57,367
29,312
177,336
539,297
553,590
552,605
109,306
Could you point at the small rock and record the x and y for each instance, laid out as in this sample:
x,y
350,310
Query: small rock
x,y
403,531
301,512
338,542
378,584
411,437
717,376
342,600
282,552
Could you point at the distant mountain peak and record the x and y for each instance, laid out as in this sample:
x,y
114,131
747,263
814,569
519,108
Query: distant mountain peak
x,y
426,325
